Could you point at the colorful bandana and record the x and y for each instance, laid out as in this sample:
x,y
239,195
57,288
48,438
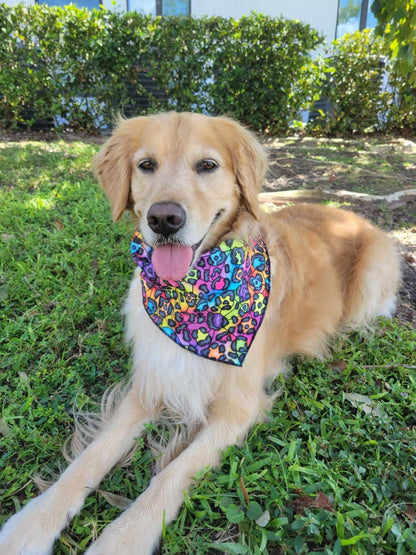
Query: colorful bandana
x,y
216,310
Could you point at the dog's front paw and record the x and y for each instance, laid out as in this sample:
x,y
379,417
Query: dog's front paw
x,y
33,530
125,536
24,536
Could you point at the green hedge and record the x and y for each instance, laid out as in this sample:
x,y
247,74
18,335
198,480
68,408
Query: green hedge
x,y
353,85
75,68
67,64
366,94
80,67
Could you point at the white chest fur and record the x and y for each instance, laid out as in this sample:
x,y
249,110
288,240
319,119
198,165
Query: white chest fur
x,y
163,371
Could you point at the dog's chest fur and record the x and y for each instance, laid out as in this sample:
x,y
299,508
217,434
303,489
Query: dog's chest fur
x,y
165,372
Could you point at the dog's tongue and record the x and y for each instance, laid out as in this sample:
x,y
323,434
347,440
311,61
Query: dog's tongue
x,y
172,262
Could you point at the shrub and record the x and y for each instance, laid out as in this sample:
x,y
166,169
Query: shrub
x,y
353,86
262,71
28,62
68,65
78,68
362,91
179,60
402,109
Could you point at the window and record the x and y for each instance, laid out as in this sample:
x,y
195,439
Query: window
x,y
354,15
160,7
79,3
175,7
147,7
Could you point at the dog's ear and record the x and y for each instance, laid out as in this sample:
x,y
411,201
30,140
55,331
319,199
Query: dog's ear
x,y
249,160
114,164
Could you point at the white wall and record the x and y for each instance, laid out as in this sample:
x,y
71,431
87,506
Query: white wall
x,y
109,4
321,14
15,2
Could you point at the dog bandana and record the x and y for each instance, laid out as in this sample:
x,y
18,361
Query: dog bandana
x,y
217,309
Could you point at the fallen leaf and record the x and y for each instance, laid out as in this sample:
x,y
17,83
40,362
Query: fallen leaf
x,y
244,490
264,519
364,403
322,501
303,501
4,292
381,384
59,225
339,365
410,512
116,500
4,428
48,307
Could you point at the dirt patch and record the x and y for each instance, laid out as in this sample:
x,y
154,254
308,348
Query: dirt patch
x,y
377,166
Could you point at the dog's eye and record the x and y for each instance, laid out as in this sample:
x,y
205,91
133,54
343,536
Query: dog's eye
x,y
207,166
147,165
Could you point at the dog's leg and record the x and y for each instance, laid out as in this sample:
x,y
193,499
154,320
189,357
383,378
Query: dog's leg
x,y
138,530
34,529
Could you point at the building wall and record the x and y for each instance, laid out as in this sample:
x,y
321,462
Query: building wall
x,y
119,4
321,14
15,2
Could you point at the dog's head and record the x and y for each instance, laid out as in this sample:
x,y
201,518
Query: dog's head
x,y
187,177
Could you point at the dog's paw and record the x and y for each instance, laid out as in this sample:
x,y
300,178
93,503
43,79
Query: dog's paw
x,y
33,530
124,536
21,536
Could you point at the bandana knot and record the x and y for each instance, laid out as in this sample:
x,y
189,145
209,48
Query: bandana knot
x,y
217,309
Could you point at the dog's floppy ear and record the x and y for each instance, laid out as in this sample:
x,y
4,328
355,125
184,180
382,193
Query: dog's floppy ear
x,y
114,165
249,160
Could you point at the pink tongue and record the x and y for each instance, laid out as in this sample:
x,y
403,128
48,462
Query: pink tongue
x,y
172,262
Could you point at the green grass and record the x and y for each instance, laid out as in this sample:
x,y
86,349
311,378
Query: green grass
x,y
322,476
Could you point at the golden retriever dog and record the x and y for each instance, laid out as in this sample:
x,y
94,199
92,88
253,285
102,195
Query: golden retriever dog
x,y
222,294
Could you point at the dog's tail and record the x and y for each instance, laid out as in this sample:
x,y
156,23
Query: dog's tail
x,y
374,281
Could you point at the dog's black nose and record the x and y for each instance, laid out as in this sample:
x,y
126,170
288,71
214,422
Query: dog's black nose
x,y
166,218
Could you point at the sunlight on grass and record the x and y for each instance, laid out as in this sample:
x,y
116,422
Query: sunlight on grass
x,y
40,203
336,204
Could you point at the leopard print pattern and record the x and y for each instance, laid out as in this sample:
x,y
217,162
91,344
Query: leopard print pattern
x,y
217,309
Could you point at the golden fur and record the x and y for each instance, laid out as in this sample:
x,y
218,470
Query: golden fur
x,y
331,270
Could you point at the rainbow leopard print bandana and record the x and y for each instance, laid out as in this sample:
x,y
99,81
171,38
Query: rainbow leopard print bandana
x,y
217,309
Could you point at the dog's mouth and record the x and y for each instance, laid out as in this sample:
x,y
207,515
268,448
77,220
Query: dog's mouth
x,y
172,260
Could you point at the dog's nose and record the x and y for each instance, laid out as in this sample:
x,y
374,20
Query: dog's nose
x,y
166,218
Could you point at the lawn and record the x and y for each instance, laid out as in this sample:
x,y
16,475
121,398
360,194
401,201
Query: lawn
x,y
332,471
